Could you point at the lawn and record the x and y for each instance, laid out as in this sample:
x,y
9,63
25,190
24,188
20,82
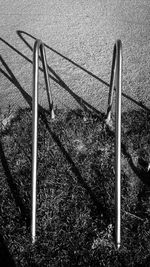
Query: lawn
x,y
75,199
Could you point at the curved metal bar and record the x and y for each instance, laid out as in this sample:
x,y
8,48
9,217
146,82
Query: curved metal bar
x,y
47,81
111,90
115,84
37,46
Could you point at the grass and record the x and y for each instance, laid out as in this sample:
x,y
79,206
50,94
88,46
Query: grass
x,y
75,200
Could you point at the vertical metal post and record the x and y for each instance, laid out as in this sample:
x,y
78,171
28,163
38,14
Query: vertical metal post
x,y
118,143
34,138
38,45
115,83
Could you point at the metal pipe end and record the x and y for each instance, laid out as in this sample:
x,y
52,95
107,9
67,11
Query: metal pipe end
x,y
118,245
33,240
52,114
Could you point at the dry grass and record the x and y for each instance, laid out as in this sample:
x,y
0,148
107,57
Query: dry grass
x,y
75,202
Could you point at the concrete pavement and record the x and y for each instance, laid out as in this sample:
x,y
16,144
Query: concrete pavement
x,y
80,35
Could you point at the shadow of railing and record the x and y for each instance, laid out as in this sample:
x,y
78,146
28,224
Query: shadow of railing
x,y
5,257
25,213
86,106
53,50
59,81
28,98
11,77
101,210
144,178
20,34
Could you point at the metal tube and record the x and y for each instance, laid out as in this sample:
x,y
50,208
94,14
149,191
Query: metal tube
x,y
34,137
47,82
111,89
115,83
38,45
118,143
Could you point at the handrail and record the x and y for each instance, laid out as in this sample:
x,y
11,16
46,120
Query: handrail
x,y
37,46
115,83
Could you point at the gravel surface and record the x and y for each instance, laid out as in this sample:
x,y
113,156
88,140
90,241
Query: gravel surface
x,y
80,35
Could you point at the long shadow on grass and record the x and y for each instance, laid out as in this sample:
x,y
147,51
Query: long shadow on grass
x,y
25,213
21,33
101,210
144,178
75,170
5,257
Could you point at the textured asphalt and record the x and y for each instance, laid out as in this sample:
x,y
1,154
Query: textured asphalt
x,y
80,35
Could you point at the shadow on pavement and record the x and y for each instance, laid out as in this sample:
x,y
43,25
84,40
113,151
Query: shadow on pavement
x,y
11,77
58,80
21,33
86,106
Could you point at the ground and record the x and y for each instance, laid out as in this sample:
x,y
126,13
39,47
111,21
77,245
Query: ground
x,y
80,36
75,191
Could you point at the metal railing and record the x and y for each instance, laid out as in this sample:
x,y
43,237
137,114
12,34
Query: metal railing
x,y
115,83
38,46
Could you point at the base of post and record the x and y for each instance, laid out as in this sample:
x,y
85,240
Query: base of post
x,y
118,245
